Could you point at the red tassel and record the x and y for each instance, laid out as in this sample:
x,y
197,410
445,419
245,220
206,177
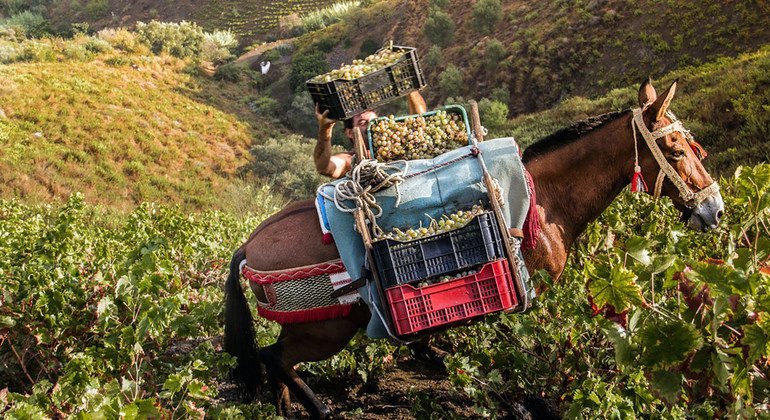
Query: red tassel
x,y
637,181
305,315
327,239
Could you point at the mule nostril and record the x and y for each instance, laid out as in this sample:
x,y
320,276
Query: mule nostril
x,y
719,215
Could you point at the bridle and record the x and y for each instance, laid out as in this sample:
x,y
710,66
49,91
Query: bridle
x,y
690,198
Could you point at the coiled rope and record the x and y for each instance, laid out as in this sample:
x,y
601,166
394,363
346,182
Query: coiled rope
x,y
365,179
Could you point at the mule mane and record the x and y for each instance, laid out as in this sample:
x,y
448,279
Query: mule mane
x,y
569,135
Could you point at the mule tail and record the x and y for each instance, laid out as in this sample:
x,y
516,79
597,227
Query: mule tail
x,y
239,330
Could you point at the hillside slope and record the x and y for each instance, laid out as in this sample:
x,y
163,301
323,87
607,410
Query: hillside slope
x,y
121,133
549,51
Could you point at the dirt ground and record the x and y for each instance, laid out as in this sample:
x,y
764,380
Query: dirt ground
x,y
389,396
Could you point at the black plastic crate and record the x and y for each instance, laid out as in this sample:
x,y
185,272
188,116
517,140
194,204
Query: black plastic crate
x,y
476,243
346,98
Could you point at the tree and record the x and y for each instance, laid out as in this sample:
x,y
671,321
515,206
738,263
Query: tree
x,y
487,14
493,113
494,52
450,81
434,57
439,27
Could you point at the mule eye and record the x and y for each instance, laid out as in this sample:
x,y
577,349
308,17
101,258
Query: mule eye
x,y
678,154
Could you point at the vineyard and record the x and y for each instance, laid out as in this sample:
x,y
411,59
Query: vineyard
x,y
121,316
247,19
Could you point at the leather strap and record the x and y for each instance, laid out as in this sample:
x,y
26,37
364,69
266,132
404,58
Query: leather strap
x,y
350,287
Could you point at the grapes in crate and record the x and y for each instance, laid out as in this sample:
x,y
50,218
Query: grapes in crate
x,y
445,223
418,137
359,68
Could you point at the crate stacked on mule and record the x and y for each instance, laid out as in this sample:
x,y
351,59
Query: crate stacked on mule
x,y
455,268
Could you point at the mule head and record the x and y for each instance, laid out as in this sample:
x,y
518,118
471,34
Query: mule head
x,y
695,193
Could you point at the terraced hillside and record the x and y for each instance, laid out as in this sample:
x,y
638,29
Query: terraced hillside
x,y
249,19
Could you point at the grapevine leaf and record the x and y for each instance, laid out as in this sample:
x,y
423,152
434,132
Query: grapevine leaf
x,y
727,280
668,343
619,339
7,321
667,384
618,290
661,263
637,248
757,338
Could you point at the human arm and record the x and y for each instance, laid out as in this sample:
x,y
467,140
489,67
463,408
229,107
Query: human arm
x,y
416,103
333,166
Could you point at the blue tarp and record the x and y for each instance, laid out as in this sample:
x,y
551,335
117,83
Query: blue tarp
x,y
433,187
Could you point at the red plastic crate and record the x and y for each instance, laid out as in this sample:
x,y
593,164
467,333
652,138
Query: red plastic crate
x,y
417,309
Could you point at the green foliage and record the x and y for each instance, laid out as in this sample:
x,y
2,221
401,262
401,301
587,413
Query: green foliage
x,y
450,81
368,47
321,18
306,66
487,14
493,113
230,72
121,38
182,40
434,58
494,52
439,27
265,106
218,46
289,162
118,312
30,24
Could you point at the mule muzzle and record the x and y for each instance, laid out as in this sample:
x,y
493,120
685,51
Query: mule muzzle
x,y
707,214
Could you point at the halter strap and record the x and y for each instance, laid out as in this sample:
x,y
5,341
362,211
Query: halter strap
x,y
666,170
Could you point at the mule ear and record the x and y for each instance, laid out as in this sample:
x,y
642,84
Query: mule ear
x,y
647,94
660,106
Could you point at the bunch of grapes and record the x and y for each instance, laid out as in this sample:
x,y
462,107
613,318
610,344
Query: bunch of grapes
x,y
358,68
418,137
443,279
444,224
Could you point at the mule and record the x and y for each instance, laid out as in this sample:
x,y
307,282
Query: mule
x,y
577,173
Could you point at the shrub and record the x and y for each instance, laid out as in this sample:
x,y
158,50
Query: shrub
x,y
96,45
305,66
487,14
271,55
120,38
494,52
450,81
289,163
438,3
325,44
96,9
501,94
322,18
434,58
265,106
494,114
29,23
217,46
368,47
230,72
301,115
181,40
439,27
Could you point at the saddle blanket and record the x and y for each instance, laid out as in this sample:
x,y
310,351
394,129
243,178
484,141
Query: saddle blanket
x,y
303,294
431,187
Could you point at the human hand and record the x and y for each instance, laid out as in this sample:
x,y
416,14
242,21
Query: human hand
x,y
323,119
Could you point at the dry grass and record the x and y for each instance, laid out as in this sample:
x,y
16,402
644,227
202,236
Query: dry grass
x,y
121,134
